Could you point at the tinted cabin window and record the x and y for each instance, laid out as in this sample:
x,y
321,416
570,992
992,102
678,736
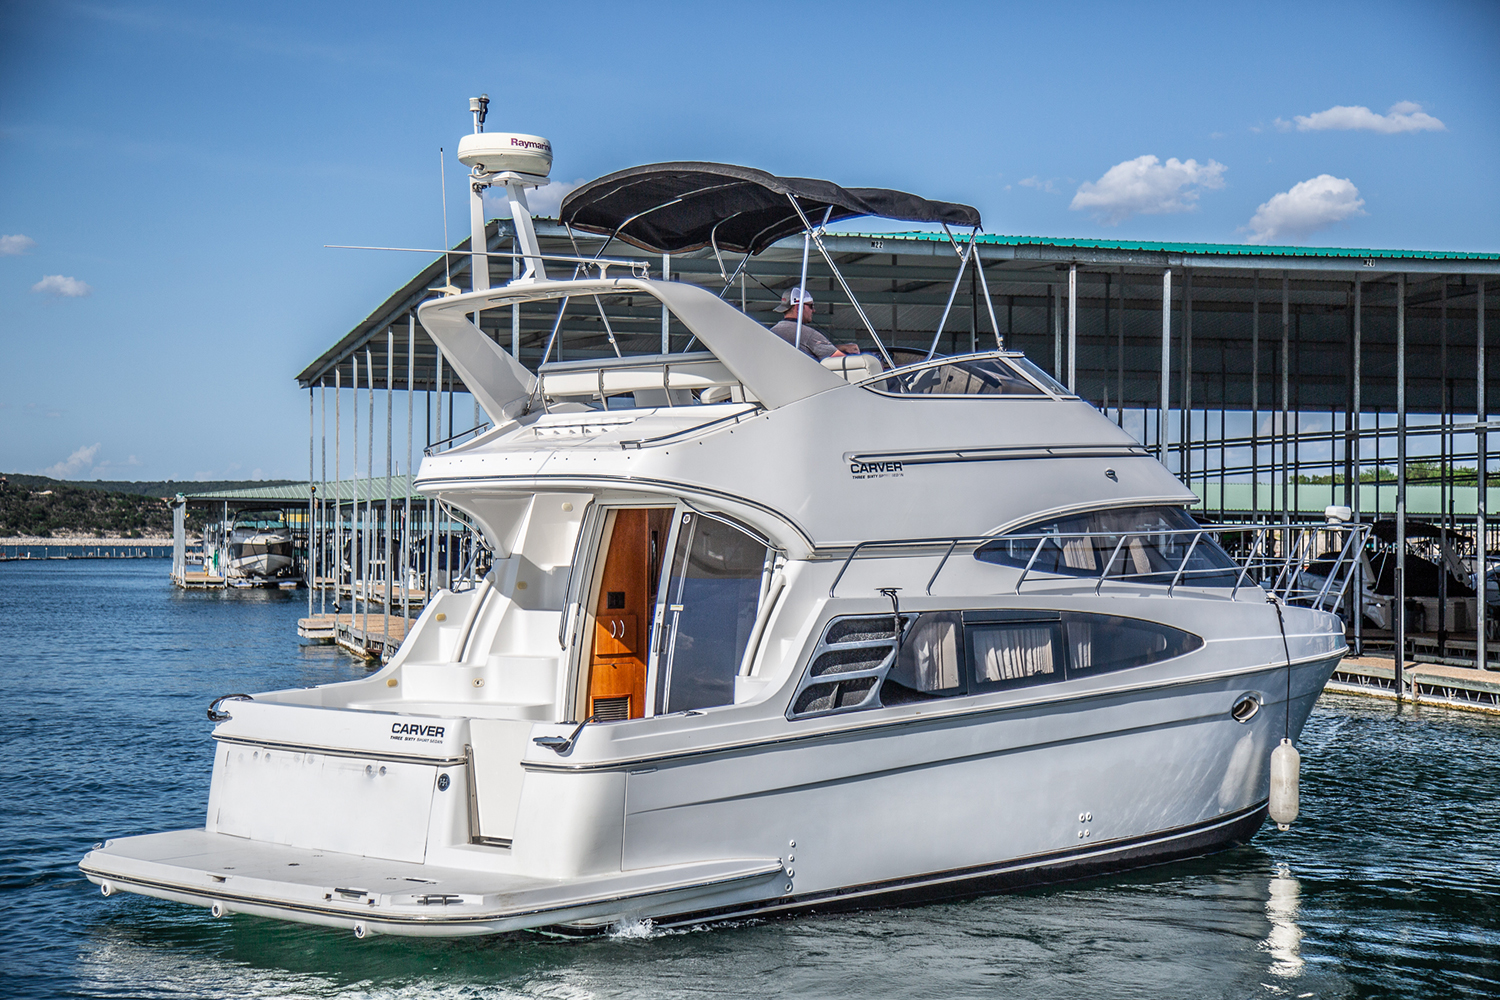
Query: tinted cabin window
x,y
1098,643
711,600
930,662
1010,649
1137,544
944,654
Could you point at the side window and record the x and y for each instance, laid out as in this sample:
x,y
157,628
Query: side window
x,y
930,662
860,665
708,611
1098,643
1014,649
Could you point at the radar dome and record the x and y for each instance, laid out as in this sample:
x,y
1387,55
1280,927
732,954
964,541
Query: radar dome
x,y
496,152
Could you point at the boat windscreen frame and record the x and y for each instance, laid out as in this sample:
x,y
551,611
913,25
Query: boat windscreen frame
x,y
1044,391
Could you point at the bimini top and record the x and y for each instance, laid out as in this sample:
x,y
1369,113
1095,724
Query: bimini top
x,y
677,207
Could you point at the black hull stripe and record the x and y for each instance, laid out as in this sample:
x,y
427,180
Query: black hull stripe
x,y
1071,865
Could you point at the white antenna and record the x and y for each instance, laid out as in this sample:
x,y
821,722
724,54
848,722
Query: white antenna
x,y
443,179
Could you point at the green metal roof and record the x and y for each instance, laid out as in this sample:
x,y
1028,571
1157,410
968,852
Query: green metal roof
x,y
1215,249
296,493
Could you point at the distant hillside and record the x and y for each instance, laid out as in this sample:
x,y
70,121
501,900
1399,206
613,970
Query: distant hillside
x,y
38,506
159,488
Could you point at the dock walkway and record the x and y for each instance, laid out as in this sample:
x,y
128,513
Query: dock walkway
x,y
350,632
1423,683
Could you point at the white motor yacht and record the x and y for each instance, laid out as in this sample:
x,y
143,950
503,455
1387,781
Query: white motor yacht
x,y
763,634
254,544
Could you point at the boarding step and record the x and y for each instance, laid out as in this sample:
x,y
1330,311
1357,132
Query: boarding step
x,y
370,895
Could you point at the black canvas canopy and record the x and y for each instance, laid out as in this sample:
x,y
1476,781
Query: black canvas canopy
x,y
677,207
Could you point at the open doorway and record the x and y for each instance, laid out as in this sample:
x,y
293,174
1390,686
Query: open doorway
x,y
621,607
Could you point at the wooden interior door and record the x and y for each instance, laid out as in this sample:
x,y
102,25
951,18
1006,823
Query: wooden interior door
x,y
623,600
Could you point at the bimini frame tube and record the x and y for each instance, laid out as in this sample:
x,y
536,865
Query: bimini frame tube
x,y
963,264
818,242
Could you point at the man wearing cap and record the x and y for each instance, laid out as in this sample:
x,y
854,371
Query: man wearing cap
x,y
810,340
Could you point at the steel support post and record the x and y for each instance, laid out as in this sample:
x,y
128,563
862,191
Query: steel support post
x,y
390,353
1120,371
338,491
1482,454
1286,356
1398,613
1445,491
323,506
309,565
356,538
1355,445
1255,399
1073,328
1166,365
368,567
411,472
1185,408
1054,305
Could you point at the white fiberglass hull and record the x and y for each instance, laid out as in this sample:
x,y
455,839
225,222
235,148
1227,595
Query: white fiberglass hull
x,y
951,804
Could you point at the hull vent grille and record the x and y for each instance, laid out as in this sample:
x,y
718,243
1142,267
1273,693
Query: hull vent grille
x,y
611,709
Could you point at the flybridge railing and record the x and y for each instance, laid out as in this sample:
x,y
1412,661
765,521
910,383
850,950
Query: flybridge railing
x,y
454,440
1306,565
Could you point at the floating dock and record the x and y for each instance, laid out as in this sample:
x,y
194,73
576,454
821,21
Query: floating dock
x,y
364,635
1422,683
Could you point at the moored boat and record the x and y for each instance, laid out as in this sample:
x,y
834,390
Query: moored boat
x,y
763,633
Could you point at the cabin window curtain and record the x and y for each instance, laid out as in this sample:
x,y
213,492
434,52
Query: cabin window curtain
x,y
1015,653
930,661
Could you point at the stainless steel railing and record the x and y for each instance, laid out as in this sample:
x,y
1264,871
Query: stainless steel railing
x,y
1305,565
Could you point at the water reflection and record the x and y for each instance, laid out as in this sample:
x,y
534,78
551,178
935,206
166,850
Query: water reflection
x,y
1284,942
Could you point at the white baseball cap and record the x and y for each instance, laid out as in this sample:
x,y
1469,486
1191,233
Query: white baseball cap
x,y
794,297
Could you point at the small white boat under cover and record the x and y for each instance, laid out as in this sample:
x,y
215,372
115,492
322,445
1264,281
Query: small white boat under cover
x,y
761,635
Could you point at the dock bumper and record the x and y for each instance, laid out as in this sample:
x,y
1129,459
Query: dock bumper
x,y
372,896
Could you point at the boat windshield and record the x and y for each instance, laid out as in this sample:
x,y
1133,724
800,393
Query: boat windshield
x,y
1140,544
992,374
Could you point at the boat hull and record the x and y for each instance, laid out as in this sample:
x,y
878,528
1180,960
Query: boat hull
x,y
1004,797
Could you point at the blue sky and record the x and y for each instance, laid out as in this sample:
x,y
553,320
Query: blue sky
x,y
169,173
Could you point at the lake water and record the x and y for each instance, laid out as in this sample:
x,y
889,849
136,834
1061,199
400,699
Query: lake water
x,y
1388,885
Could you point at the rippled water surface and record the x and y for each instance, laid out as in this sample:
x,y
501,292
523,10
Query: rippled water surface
x,y
1388,885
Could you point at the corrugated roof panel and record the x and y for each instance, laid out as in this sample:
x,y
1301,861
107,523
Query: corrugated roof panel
x,y
345,490
1215,249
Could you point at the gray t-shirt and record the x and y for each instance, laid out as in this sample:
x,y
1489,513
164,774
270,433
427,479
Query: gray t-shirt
x,y
813,342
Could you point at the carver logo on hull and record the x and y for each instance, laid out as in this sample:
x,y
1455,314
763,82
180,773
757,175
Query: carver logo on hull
x,y
416,732
875,470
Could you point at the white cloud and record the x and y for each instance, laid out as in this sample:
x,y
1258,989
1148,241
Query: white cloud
x,y
1306,208
1046,187
1146,186
14,246
545,201
61,285
80,461
1406,116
